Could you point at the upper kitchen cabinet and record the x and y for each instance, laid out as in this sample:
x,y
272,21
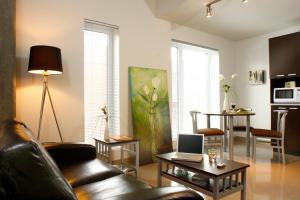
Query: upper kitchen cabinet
x,y
284,56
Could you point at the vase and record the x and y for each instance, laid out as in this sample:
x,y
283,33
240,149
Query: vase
x,y
106,132
225,103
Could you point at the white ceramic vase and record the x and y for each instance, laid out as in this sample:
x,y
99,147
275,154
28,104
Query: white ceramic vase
x,y
106,132
225,103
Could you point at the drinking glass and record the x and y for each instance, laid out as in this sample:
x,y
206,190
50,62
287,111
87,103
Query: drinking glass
x,y
212,155
233,105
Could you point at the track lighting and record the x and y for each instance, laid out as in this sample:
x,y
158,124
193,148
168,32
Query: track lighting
x,y
208,11
209,7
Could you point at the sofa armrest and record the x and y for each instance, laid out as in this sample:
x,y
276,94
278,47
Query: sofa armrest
x,y
164,193
68,153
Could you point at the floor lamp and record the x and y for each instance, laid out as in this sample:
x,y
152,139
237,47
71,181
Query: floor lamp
x,y
45,60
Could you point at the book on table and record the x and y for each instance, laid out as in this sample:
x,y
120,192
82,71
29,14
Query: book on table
x,y
189,157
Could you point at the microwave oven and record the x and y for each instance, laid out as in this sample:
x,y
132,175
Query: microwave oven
x,y
286,95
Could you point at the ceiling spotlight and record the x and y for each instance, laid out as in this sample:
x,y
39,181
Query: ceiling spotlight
x,y
245,1
208,11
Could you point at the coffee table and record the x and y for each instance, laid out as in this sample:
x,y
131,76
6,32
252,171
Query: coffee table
x,y
214,182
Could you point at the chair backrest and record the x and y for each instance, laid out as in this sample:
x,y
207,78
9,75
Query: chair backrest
x,y
281,119
190,143
194,119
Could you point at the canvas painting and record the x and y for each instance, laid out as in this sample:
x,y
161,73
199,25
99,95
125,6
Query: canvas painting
x,y
150,111
256,77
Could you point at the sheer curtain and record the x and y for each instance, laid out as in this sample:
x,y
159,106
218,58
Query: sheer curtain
x,y
101,79
195,85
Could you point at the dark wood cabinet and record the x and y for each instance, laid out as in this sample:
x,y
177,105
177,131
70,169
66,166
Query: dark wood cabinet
x,y
284,56
292,128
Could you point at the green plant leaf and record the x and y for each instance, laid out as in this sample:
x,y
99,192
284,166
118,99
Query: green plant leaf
x,y
144,97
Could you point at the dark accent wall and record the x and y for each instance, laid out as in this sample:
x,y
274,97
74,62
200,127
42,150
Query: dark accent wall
x,y
7,58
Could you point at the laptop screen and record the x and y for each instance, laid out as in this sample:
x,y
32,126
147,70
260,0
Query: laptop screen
x,y
190,143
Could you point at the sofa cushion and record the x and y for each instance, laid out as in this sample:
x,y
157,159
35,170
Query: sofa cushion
x,y
110,188
165,193
26,169
88,171
68,153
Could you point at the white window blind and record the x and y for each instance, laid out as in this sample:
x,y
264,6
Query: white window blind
x,y
195,85
101,79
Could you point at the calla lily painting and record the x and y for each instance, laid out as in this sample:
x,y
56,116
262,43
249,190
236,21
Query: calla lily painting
x,y
150,111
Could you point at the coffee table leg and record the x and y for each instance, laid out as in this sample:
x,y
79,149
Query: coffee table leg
x,y
243,191
216,190
159,173
109,154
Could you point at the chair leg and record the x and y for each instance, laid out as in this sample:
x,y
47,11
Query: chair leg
x,y
278,149
273,149
283,152
221,146
254,149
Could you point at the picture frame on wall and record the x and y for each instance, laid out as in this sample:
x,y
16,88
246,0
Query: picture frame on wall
x,y
257,77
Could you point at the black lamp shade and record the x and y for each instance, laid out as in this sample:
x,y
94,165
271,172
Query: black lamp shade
x,y
45,60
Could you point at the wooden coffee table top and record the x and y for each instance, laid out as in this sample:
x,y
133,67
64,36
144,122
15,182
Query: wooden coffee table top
x,y
205,166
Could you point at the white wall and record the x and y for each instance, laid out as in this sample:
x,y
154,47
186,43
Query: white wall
x,y
144,41
251,54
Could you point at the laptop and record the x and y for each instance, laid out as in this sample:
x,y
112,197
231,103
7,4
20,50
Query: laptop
x,y
190,147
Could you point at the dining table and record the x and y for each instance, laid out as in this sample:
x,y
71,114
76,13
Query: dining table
x,y
228,118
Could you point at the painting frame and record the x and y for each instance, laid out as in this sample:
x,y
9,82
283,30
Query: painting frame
x,y
256,77
150,111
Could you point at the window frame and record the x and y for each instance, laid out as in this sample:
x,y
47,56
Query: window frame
x,y
112,74
180,45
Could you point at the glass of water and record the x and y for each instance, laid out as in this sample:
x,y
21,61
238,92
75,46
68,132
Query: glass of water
x,y
212,155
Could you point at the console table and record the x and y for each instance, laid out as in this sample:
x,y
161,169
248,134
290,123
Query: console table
x,y
220,182
104,151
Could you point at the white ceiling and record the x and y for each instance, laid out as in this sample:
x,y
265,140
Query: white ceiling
x,y
231,19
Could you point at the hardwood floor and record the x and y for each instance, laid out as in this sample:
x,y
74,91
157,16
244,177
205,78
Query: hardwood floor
x,y
267,179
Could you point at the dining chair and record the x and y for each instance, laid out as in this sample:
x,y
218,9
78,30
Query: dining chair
x,y
276,136
214,136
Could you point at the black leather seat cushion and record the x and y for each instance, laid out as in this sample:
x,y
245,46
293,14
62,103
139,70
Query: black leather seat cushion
x,y
110,187
88,171
26,169
166,193
69,152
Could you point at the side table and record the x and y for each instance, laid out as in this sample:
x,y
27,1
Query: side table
x,y
104,151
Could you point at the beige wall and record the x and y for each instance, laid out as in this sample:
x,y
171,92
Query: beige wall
x,y
144,41
7,59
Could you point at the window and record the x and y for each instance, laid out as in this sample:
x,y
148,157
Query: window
x,y
101,78
195,85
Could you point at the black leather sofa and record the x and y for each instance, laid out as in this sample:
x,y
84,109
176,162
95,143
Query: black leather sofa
x,y
66,171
